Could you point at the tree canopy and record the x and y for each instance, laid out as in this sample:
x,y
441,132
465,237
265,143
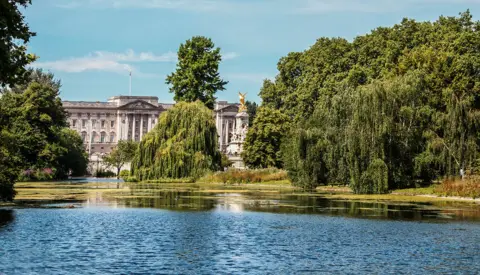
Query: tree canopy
x,y
402,101
34,136
262,144
183,144
123,153
14,36
196,76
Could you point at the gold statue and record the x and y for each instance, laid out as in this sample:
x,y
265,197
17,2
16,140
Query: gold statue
x,y
243,107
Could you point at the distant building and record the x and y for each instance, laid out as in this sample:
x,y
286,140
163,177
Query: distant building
x,y
102,124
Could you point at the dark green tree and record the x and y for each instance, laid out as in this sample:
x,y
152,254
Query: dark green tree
x,y
123,153
252,111
196,76
14,36
183,144
262,144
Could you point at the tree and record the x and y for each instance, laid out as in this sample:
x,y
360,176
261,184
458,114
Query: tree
x,y
262,144
252,112
183,144
74,160
123,153
14,36
401,102
196,76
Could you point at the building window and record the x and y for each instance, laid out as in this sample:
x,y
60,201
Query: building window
x,y
84,137
74,122
94,122
103,137
112,124
94,136
112,137
103,124
84,123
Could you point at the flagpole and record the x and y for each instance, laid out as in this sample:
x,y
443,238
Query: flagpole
x,y
130,87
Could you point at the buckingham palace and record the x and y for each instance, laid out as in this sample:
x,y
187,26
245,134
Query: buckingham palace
x,y
102,124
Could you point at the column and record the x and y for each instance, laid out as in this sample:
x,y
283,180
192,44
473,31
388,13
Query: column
x,y
133,127
220,132
125,133
227,132
117,134
149,123
141,126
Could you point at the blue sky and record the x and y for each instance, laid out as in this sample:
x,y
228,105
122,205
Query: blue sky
x,y
92,44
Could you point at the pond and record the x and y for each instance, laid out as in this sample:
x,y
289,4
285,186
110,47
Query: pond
x,y
147,230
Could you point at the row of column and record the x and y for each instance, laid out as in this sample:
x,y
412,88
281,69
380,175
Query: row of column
x,y
124,131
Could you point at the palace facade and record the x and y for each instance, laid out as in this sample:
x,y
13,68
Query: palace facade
x,y
102,124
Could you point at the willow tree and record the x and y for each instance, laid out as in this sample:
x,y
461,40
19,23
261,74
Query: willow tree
x,y
183,144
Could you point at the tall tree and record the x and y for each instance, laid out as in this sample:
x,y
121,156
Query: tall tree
x,y
183,144
123,153
196,76
252,111
262,144
14,36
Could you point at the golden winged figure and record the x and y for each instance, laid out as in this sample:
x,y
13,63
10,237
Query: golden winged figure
x,y
243,107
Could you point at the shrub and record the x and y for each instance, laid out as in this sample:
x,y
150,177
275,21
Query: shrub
x,y
469,187
130,179
100,173
246,176
124,174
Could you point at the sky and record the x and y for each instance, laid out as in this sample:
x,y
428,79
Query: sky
x,y
91,45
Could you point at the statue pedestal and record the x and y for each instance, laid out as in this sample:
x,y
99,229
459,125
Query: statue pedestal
x,y
235,147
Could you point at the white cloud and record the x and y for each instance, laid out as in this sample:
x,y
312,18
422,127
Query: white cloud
x,y
106,61
112,62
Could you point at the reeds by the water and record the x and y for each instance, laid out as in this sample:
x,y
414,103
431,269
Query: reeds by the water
x,y
468,187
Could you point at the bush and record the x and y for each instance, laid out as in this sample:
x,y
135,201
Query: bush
x,y
130,179
374,180
124,174
104,174
469,187
43,174
169,180
246,176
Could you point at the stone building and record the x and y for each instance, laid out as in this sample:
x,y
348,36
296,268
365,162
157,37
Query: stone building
x,y
102,124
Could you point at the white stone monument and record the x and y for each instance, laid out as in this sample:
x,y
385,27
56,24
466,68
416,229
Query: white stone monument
x,y
239,133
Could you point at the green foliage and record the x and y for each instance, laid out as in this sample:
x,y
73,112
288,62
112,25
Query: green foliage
x,y
252,112
35,138
374,180
123,153
408,95
233,176
14,36
225,163
101,173
196,76
130,179
183,144
262,144
124,174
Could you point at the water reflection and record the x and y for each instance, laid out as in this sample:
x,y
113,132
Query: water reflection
x,y
292,203
6,217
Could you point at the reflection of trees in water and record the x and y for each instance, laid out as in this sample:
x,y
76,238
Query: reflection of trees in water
x,y
6,217
173,200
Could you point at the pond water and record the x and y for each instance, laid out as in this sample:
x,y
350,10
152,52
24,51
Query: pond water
x,y
148,231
